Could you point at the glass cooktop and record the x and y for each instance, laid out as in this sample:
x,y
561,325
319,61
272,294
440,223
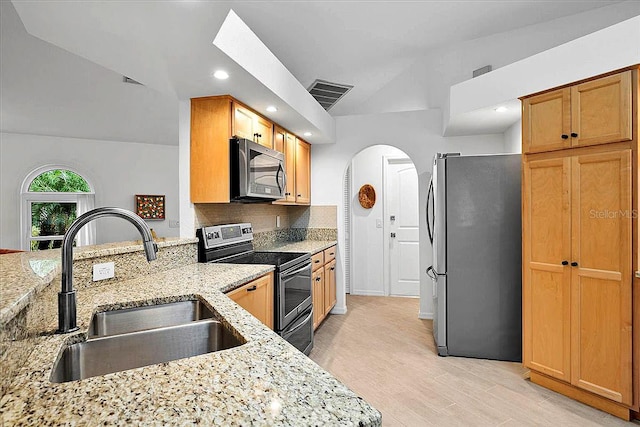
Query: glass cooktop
x,y
278,259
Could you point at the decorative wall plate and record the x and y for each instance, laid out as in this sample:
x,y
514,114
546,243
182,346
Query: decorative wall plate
x,y
367,196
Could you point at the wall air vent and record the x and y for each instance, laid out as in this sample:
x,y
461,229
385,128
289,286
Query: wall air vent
x,y
129,80
327,93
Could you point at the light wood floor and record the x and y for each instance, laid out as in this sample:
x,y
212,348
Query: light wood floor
x,y
383,352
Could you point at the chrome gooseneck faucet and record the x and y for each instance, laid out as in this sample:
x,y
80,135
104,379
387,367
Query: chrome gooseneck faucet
x,y
67,321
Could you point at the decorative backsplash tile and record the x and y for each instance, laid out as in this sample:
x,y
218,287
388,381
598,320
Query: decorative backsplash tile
x,y
314,217
263,216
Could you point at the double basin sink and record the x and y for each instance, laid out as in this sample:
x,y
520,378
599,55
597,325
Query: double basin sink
x,y
130,338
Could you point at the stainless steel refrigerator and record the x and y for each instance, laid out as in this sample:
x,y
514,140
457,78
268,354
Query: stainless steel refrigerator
x,y
474,224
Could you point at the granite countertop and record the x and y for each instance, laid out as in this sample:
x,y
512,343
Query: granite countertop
x,y
24,274
265,381
310,246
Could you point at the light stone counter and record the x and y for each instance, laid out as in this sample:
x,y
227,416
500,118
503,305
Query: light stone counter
x,y
263,382
310,246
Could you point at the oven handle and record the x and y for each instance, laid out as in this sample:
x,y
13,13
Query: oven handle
x,y
301,324
293,273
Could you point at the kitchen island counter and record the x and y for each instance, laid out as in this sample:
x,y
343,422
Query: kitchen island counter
x,y
265,381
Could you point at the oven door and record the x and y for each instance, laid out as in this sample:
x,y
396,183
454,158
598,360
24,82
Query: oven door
x,y
294,293
300,332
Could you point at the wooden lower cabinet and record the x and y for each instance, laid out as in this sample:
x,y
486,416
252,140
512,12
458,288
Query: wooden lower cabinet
x,y
257,298
324,284
329,286
577,272
318,297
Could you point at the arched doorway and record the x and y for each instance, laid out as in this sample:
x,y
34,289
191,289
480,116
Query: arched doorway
x,y
382,241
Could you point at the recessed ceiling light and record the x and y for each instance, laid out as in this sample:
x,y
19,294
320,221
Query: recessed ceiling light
x,y
307,134
271,109
221,74
501,109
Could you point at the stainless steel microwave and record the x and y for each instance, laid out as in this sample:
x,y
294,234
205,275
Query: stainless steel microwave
x,y
257,172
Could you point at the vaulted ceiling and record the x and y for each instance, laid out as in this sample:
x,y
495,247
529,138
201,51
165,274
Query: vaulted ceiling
x,y
168,47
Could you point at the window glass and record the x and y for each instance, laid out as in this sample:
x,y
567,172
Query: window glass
x,y
52,202
59,181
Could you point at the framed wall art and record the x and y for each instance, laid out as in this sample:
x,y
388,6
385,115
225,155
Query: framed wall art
x,y
150,206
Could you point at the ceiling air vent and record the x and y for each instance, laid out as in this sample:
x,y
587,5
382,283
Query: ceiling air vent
x,y
327,93
129,80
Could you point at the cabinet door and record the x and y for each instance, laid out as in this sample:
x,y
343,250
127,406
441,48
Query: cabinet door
x,y
329,286
303,172
243,122
601,110
257,298
546,244
279,138
318,297
546,121
602,280
290,168
263,132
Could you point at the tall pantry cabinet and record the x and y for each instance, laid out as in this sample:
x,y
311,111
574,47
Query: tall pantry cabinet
x,y
579,209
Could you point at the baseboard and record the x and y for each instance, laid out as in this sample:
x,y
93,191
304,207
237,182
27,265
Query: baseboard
x,y
367,293
425,315
339,310
580,395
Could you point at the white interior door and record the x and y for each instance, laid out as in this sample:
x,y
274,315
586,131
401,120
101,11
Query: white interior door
x,y
403,219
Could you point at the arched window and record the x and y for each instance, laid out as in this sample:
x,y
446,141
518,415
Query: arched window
x,y
52,198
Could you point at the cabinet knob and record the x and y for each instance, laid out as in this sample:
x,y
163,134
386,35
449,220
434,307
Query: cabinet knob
x,y
574,264
299,195
565,262
318,279
565,136
253,288
574,135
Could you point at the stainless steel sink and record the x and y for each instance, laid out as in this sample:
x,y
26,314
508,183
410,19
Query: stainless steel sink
x,y
115,322
100,356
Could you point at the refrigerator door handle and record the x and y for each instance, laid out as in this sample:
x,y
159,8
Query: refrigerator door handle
x,y
429,194
431,272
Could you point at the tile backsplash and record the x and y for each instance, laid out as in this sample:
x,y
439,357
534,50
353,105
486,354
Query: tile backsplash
x,y
263,216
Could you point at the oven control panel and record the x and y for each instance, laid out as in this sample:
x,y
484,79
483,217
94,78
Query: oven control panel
x,y
219,235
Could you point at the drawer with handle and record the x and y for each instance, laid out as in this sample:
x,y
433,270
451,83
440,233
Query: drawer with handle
x,y
317,260
329,254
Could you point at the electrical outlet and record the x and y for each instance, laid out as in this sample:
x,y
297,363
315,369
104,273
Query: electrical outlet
x,y
103,271
174,223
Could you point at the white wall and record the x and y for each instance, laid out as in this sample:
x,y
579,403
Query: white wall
x,y
426,83
418,134
513,138
117,170
367,241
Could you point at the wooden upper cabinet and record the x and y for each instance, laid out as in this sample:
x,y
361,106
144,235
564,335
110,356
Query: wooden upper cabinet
x,y
602,279
210,132
263,132
279,138
591,113
214,120
250,125
546,270
303,172
546,121
601,110
242,122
